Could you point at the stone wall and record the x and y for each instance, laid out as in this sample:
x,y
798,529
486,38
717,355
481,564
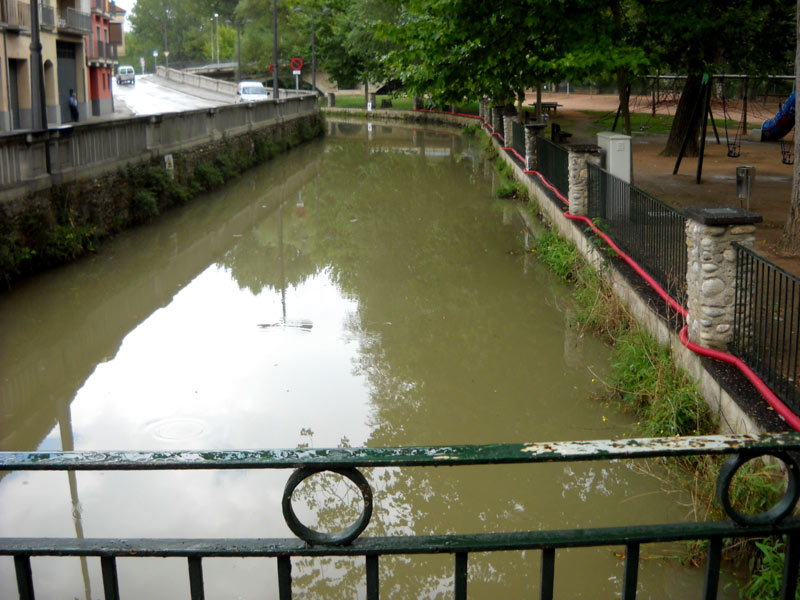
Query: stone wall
x,y
53,225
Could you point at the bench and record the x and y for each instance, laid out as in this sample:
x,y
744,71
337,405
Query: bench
x,y
547,107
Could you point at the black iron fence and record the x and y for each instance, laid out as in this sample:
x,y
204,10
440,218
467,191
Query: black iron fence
x,y
552,161
766,330
347,462
651,232
517,140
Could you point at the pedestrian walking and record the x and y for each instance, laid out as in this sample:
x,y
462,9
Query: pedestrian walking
x,y
73,106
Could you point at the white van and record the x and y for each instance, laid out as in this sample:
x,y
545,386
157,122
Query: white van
x,y
126,74
252,91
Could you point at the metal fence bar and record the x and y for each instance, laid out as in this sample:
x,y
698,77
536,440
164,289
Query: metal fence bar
x,y
548,574
108,565
284,577
22,566
651,232
196,587
373,578
344,461
631,577
791,572
518,137
766,332
553,162
461,576
713,560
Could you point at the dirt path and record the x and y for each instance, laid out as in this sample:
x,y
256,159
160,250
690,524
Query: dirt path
x,y
653,173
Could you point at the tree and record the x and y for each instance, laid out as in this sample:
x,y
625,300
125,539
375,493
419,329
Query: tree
x,y
706,36
790,238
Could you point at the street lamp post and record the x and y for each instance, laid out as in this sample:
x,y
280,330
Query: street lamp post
x,y
216,26
275,49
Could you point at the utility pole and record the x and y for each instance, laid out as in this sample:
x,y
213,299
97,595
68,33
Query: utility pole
x,y
275,49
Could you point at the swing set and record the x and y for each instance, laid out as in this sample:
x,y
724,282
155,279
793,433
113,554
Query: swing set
x,y
775,128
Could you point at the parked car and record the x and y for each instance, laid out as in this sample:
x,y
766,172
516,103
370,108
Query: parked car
x,y
126,74
252,91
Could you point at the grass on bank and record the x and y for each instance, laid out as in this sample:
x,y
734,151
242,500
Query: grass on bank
x,y
646,382
397,103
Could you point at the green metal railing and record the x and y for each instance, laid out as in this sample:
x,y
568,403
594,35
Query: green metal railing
x,y
347,462
650,231
552,161
766,329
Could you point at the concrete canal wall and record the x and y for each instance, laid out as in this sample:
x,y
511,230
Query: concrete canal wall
x,y
100,178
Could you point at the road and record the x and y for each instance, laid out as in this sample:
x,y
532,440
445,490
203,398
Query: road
x,y
148,97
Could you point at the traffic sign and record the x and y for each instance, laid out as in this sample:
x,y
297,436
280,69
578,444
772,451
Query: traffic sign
x,y
296,63
270,69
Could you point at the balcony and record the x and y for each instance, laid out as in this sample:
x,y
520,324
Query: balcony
x,y
16,15
101,54
101,7
74,21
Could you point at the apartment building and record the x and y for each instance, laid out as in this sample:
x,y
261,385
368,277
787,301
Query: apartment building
x,y
79,50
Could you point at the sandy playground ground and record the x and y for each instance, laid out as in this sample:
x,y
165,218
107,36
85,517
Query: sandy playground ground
x,y
772,188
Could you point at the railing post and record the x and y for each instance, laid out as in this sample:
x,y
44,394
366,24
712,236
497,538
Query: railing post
x,y
331,99
531,131
579,157
482,108
711,270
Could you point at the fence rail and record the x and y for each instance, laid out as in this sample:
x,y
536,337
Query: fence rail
x,y
90,146
653,233
346,462
552,162
766,330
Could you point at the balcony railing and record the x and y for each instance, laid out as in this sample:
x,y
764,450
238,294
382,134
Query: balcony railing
x,y
74,20
348,463
19,14
101,52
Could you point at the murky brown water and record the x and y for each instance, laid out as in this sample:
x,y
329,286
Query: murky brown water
x,y
367,289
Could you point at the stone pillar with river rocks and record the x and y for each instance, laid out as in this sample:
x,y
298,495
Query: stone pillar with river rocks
x,y
531,131
711,270
580,155
508,129
497,119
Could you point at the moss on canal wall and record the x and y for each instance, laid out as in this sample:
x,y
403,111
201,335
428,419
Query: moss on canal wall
x,y
59,224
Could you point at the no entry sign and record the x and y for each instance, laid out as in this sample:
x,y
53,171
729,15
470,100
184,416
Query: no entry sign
x,y
296,63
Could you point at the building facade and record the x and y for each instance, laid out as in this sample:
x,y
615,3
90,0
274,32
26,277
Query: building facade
x,y
78,53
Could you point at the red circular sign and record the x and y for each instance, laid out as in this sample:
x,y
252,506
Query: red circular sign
x,y
297,63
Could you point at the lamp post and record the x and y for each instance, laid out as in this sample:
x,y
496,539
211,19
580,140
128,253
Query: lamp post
x,y
275,49
216,27
212,39
324,11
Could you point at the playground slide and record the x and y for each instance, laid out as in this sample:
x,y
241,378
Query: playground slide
x,y
781,124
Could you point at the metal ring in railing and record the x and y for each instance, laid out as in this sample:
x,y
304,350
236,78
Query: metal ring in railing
x,y
312,536
769,517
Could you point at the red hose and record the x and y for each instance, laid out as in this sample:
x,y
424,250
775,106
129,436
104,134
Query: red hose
x,y
784,411
792,419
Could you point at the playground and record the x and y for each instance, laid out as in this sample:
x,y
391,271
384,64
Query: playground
x,y
772,188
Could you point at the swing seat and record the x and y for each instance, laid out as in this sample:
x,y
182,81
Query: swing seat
x,y
733,151
786,158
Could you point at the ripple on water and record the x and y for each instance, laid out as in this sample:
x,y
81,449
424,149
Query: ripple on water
x,y
177,429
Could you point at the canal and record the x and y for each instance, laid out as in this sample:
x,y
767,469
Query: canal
x,y
367,289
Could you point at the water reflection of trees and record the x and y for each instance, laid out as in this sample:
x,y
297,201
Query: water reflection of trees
x,y
424,269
